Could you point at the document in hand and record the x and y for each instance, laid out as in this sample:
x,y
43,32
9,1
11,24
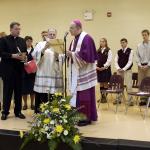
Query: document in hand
x,y
57,45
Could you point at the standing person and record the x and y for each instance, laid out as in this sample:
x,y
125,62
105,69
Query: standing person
x,y
82,72
28,79
143,59
13,52
49,75
104,66
2,34
44,34
123,64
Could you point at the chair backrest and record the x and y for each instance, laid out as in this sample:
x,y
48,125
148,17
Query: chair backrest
x,y
116,82
145,85
135,80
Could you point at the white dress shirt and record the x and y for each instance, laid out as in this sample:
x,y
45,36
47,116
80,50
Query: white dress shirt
x,y
143,54
109,59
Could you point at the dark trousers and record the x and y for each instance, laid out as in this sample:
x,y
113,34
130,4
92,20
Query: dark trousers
x,y
12,83
39,99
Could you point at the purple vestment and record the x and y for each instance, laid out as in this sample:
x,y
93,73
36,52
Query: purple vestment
x,y
86,97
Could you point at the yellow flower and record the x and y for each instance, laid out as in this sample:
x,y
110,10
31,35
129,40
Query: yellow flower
x,y
59,129
58,94
55,110
42,107
67,106
76,139
46,121
21,134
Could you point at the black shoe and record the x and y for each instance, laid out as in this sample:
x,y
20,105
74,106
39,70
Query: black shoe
x,y
32,107
142,103
131,103
4,117
20,115
103,100
25,107
115,102
98,100
36,110
84,123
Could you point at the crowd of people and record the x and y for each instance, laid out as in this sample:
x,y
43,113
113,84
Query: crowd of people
x,y
123,64
86,67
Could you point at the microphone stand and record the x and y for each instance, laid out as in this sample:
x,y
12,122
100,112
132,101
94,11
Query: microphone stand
x,y
65,49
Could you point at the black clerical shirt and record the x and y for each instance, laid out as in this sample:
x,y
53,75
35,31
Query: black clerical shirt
x,y
8,46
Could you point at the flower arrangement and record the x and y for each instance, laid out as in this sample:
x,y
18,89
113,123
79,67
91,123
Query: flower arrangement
x,y
56,123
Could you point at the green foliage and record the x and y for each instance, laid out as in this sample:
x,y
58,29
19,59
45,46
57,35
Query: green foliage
x,y
55,124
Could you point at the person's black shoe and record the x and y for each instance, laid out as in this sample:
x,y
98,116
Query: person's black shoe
x,y
130,103
142,103
84,123
36,110
115,102
103,100
25,107
32,107
20,115
98,100
4,117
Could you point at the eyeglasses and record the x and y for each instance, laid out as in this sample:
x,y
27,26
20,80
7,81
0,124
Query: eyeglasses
x,y
53,34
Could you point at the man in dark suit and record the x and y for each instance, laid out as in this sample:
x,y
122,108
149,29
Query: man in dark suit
x,y
2,34
13,52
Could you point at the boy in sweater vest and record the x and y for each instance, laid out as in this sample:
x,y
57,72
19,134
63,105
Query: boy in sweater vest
x,y
123,64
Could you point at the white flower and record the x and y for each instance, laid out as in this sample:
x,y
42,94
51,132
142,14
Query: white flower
x,y
52,122
46,103
46,111
64,116
39,139
65,121
38,124
65,132
46,128
48,136
60,121
42,130
62,100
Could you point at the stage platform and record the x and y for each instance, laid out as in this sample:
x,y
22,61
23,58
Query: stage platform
x,y
111,132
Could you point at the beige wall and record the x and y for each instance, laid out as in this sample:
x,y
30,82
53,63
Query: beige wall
x,y
128,19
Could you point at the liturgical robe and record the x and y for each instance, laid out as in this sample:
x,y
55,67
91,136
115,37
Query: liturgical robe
x,y
49,75
82,75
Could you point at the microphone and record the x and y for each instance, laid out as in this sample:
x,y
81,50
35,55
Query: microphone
x,y
66,34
